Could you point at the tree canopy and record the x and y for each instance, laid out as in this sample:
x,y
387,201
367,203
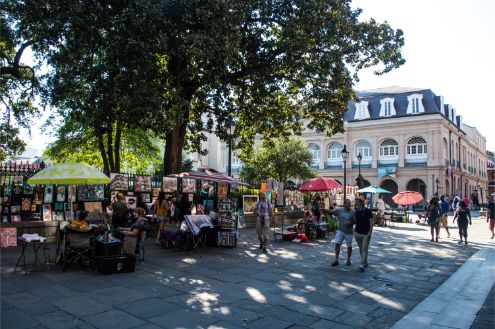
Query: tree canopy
x,y
182,67
288,158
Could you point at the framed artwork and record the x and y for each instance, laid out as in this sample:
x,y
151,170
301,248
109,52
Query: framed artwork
x,y
15,218
38,195
119,182
7,190
47,212
26,204
113,196
169,184
196,222
60,193
28,189
68,206
6,200
222,190
58,215
146,198
207,189
15,209
17,180
249,203
131,200
17,189
71,193
69,216
142,183
48,194
92,206
188,185
90,192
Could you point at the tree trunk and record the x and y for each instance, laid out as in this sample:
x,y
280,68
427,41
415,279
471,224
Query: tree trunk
x,y
174,143
101,146
110,149
118,139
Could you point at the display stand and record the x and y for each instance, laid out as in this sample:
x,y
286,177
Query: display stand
x,y
195,223
282,232
228,223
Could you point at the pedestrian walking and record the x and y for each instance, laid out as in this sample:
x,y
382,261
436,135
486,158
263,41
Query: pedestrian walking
x,y
490,215
363,230
160,210
264,211
462,215
444,214
432,212
345,220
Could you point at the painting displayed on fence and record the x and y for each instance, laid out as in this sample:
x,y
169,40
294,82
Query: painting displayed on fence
x,y
169,184
142,183
119,181
131,201
47,212
188,185
60,193
90,192
48,194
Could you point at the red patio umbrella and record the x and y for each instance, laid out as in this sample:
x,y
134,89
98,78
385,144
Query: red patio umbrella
x,y
406,198
319,184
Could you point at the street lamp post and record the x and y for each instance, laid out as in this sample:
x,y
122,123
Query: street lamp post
x,y
438,185
359,179
345,155
230,126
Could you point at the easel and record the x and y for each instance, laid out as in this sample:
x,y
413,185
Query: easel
x,y
196,224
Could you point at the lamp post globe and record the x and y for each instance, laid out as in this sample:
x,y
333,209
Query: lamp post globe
x,y
345,155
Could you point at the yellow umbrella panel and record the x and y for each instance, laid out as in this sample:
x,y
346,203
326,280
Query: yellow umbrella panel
x,y
69,174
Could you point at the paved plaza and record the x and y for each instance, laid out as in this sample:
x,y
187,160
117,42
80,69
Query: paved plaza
x,y
293,286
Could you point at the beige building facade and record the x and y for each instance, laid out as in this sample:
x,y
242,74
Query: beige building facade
x,y
408,139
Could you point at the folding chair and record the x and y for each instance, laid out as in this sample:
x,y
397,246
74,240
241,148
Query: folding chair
x,y
387,217
77,247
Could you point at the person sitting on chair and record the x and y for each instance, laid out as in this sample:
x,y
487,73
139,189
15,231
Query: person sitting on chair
x,y
80,223
140,224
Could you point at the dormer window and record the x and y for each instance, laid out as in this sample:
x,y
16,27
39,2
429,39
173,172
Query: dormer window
x,y
387,109
362,111
415,105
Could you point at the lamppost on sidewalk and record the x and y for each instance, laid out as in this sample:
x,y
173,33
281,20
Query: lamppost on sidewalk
x,y
345,155
230,126
359,178
438,185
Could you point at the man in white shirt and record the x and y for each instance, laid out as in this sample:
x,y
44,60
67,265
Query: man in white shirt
x,y
264,211
380,205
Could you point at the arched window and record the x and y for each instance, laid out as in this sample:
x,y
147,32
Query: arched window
x,y
335,151
363,147
389,148
445,149
315,152
416,146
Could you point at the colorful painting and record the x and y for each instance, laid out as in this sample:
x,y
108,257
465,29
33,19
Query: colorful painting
x,y
92,206
15,218
48,194
169,184
71,193
249,203
69,216
60,193
142,183
58,215
90,192
47,212
26,204
119,182
146,198
222,190
188,185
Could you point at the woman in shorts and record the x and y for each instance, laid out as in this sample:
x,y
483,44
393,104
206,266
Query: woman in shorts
x,y
160,211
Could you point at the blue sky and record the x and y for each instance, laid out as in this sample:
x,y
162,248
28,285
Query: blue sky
x,y
450,47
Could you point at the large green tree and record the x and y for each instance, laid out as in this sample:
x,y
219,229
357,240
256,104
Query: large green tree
x,y
287,158
182,67
18,87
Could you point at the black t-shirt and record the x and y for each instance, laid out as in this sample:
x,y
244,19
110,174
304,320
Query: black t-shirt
x,y
491,206
363,220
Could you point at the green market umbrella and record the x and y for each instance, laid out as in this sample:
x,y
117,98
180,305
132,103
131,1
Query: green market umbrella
x,y
373,189
69,174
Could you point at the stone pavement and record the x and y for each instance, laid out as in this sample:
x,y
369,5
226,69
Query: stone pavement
x,y
291,287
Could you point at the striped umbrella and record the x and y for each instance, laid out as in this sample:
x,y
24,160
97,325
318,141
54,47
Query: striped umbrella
x,y
69,174
211,175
